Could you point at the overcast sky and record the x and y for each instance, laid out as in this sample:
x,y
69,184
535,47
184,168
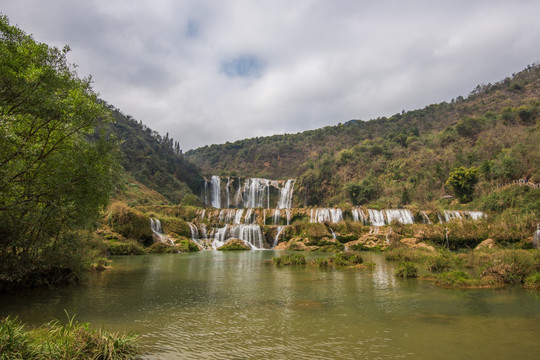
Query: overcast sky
x,y
210,72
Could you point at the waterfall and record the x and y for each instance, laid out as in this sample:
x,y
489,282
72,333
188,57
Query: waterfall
x,y
276,239
250,234
426,218
358,215
238,216
475,215
323,215
333,234
403,216
195,235
451,214
285,195
276,217
157,231
288,213
376,217
249,219
227,191
255,190
216,193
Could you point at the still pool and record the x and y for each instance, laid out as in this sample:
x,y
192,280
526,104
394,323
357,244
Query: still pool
x,y
238,305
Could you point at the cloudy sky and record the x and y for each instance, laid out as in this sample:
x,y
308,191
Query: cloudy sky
x,y
210,72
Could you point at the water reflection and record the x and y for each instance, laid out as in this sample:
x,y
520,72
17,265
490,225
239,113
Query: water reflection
x,y
239,305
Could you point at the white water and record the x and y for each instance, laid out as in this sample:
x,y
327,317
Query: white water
x,y
285,195
157,230
276,239
322,215
451,214
358,215
216,193
376,217
403,216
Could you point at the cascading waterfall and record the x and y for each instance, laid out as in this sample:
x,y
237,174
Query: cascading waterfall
x,y
475,215
322,215
376,217
157,231
276,216
216,193
425,217
403,216
451,214
285,195
358,215
255,190
250,234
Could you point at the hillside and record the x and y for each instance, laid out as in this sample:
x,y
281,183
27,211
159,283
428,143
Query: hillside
x,y
154,161
403,159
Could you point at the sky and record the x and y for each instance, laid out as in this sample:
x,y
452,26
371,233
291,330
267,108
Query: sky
x,y
209,72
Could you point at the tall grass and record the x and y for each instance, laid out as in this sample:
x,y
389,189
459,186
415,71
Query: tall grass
x,y
73,340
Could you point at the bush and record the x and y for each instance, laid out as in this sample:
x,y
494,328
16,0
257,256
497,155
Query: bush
x,y
513,267
406,270
441,263
348,258
161,248
292,259
453,279
73,340
186,245
532,281
130,223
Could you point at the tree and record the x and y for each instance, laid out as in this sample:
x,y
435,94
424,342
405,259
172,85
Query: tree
x,y
462,181
53,180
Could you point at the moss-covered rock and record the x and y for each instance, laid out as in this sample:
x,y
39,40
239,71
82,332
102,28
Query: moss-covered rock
x,y
175,226
234,244
162,248
130,223
125,248
186,245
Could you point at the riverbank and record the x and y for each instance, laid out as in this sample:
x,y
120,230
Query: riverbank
x,y
73,340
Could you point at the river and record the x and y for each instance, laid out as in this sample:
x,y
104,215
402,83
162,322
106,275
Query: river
x,y
238,305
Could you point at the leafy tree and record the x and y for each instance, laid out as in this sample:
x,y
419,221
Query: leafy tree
x,y
363,192
53,180
462,181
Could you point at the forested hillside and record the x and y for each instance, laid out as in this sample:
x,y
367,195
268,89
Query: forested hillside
x,y
404,159
153,160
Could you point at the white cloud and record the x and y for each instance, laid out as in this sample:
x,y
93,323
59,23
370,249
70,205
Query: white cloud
x,y
215,71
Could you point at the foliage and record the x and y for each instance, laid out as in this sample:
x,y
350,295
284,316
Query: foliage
x,y
154,160
290,259
457,278
533,281
53,181
462,181
409,155
186,245
125,248
406,270
348,258
73,340
130,222
234,245
175,226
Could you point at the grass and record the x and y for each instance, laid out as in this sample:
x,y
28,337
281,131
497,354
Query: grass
x,y
292,259
406,270
73,340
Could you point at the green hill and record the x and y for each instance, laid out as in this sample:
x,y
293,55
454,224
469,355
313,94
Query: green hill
x,y
405,158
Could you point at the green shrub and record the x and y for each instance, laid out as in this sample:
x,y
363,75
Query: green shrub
x,y
321,262
453,279
186,245
290,259
441,263
513,267
348,258
533,281
130,223
406,270
176,226
73,340
161,248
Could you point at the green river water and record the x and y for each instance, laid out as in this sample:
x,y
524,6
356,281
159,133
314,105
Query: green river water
x,y
238,305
